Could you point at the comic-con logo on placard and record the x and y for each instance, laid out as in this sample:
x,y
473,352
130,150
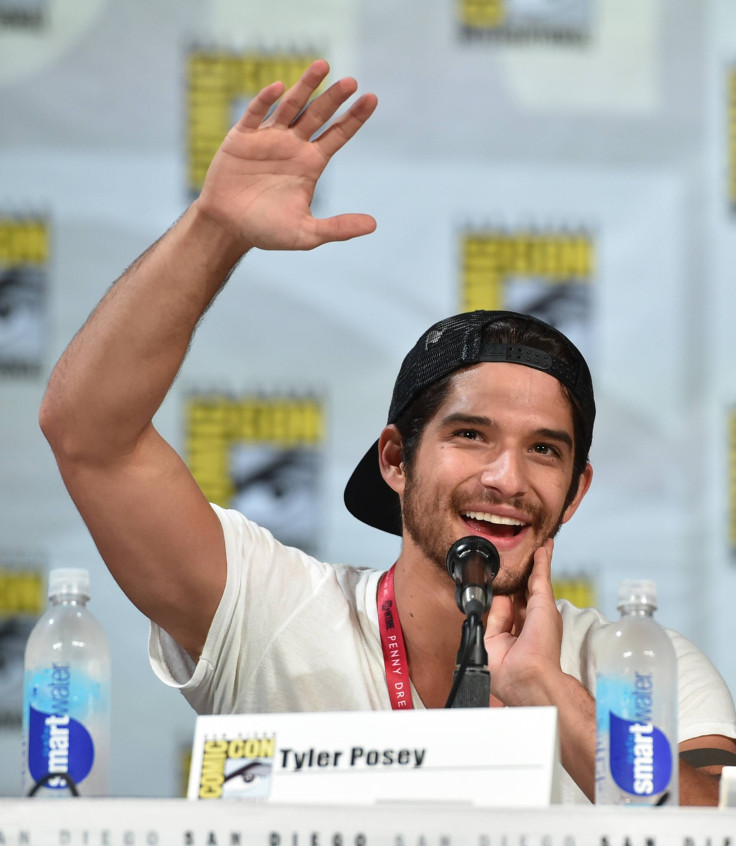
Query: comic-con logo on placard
x,y
544,272
24,256
261,455
219,85
526,20
237,768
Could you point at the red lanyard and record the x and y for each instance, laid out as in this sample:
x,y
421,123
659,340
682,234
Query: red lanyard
x,y
392,643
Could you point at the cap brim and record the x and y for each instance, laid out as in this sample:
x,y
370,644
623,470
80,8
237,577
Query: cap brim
x,y
370,499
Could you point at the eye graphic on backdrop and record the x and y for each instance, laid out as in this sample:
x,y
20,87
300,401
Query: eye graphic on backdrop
x,y
24,255
567,20
22,316
261,455
21,603
34,34
277,488
547,273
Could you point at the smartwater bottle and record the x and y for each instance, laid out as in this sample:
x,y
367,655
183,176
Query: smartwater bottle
x,y
636,705
66,708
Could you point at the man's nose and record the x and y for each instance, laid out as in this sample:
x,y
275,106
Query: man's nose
x,y
504,474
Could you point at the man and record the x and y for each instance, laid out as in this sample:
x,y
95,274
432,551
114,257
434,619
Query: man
x,y
488,433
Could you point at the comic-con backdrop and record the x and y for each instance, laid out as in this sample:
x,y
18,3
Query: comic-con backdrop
x,y
571,158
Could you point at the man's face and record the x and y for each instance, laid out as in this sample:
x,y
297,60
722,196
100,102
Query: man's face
x,y
495,460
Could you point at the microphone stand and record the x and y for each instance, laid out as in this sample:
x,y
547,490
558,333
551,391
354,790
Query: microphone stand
x,y
471,681
472,563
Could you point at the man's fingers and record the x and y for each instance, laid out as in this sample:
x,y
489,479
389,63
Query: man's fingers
x,y
292,102
341,227
292,112
540,579
297,97
343,129
322,108
500,617
258,107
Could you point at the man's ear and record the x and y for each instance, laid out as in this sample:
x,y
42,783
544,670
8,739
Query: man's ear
x,y
586,477
391,458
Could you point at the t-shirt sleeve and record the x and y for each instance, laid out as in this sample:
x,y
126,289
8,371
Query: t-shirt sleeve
x,y
267,578
706,705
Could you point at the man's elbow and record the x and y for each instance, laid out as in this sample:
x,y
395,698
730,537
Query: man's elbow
x,y
50,421
57,424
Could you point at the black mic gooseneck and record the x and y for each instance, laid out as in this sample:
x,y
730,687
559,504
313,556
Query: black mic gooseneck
x,y
472,562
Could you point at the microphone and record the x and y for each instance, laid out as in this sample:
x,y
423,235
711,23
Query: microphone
x,y
473,563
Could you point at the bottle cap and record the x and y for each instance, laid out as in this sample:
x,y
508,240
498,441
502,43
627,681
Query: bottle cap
x,y
637,592
68,581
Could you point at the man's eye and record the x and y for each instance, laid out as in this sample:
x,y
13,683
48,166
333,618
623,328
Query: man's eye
x,y
468,434
545,449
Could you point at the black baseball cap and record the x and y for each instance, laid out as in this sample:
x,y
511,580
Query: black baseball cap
x,y
453,344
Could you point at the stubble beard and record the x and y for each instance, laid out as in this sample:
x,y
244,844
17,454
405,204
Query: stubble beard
x,y
422,518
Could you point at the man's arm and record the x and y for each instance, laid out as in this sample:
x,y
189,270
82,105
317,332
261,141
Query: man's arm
x,y
150,521
701,762
523,640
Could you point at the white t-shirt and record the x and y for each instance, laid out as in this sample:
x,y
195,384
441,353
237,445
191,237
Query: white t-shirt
x,y
294,634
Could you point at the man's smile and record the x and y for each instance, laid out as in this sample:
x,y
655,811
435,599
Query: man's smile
x,y
497,526
504,526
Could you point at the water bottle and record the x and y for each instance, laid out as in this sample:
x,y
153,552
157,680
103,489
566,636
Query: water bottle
x,y
66,707
636,705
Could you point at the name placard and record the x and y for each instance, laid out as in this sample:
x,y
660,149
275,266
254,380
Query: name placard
x,y
486,757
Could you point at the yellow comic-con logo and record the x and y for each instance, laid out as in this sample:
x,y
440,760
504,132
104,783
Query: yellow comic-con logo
x,y
237,768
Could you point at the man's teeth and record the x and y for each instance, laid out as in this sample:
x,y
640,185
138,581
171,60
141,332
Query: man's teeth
x,y
493,518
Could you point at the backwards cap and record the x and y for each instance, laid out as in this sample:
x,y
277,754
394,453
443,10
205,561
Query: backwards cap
x,y
453,344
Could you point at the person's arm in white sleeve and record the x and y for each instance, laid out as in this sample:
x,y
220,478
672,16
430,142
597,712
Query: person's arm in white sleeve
x,y
151,523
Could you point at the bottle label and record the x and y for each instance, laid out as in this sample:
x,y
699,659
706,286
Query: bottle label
x,y
58,744
641,760
639,752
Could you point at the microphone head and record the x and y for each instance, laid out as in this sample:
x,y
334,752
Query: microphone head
x,y
477,550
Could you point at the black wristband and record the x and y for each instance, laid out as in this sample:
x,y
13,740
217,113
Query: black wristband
x,y
708,757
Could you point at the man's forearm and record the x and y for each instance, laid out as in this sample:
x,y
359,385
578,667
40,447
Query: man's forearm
x,y
576,720
697,787
114,375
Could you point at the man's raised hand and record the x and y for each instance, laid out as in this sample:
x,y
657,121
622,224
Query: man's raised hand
x,y
260,184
